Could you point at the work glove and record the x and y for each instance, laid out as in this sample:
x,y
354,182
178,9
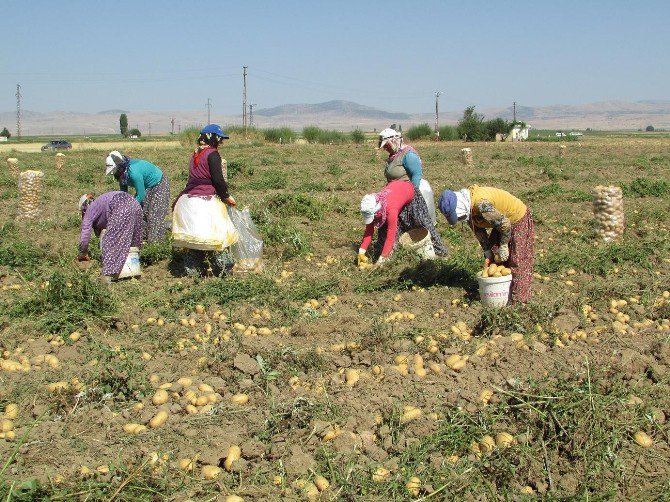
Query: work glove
x,y
361,259
503,253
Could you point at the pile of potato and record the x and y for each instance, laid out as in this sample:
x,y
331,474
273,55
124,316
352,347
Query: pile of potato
x,y
494,270
30,191
60,160
466,156
608,212
13,166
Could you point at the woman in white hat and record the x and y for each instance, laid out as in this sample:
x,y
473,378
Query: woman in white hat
x,y
397,208
152,190
404,163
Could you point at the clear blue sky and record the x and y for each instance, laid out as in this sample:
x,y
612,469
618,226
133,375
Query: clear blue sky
x,y
89,56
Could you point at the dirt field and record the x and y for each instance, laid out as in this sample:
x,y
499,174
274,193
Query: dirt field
x,y
307,366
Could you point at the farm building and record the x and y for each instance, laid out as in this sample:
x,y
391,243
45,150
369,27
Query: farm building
x,y
518,133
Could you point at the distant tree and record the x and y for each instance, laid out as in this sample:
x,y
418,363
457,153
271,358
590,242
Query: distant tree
x,y
312,134
123,124
650,128
471,126
135,132
357,136
448,133
423,131
6,133
497,126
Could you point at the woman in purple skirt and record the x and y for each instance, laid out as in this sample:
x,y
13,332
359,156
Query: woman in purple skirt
x,y
120,215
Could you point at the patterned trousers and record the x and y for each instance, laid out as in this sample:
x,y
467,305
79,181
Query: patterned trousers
x,y
156,206
124,230
520,261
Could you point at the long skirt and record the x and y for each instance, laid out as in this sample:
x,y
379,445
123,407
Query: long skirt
x,y
156,206
520,261
414,215
124,229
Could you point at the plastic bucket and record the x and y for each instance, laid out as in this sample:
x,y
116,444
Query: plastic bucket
x,y
494,291
419,241
132,266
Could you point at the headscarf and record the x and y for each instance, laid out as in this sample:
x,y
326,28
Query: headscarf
x,y
455,206
402,149
121,173
381,198
463,204
84,201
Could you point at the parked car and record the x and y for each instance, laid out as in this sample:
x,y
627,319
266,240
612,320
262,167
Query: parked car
x,y
59,144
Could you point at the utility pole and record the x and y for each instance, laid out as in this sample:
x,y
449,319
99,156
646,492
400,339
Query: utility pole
x,y
514,110
209,108
149,128
172,124
251,114
18,110
437,130
244,97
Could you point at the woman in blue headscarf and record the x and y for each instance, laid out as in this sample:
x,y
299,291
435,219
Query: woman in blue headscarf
x,y
152,190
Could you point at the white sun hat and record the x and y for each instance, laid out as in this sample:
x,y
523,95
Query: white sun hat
x,y
369,207
386,135
111,160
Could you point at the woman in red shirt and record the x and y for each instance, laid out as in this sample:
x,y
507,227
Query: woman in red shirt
x,y
397,208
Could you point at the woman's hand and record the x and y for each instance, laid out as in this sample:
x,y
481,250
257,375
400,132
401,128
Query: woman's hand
x,y
230,201
503,253
83,257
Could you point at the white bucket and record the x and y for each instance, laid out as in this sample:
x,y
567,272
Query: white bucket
x,y
419,241
132,266
494,291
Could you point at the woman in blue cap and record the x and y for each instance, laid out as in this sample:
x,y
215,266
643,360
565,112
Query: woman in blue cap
x,y
503,226
200,220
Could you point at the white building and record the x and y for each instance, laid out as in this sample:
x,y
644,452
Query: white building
x,y
518,133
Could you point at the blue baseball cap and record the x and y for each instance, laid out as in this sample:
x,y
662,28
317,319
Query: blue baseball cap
x,y
447,205
214,129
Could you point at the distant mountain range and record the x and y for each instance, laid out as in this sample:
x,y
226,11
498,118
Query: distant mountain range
x,y
344,116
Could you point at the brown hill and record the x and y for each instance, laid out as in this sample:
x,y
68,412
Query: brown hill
x,y
345,116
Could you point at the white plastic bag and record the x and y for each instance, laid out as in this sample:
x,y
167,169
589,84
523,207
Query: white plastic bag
x,y
202,223
248,250
427,192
